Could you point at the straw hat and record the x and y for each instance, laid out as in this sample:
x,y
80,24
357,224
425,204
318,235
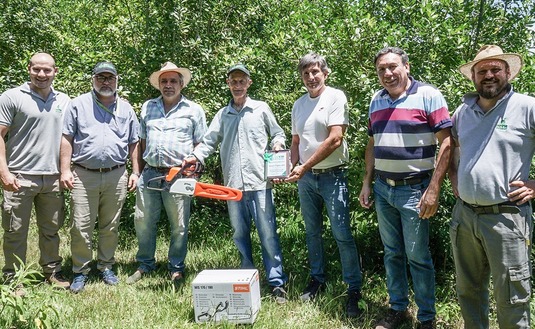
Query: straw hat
x,y
493,52
170,67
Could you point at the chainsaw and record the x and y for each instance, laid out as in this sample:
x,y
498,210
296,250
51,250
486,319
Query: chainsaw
x,y
176,182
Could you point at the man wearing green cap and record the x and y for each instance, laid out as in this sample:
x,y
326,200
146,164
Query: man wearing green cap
x,y
100,132
244,129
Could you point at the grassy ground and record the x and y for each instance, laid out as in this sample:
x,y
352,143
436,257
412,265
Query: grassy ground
x,y
154,303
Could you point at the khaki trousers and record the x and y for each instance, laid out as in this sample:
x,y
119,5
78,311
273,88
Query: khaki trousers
x,y
96,195
42,192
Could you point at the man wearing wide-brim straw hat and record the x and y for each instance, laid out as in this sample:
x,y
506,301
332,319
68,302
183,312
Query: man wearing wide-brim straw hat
x,y
491,227
170,127
170,67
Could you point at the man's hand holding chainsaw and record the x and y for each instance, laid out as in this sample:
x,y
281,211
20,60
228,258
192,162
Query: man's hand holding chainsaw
x,y
190,160
193,167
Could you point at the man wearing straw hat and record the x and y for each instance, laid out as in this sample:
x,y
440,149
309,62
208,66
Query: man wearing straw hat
x,y
491,227
170,127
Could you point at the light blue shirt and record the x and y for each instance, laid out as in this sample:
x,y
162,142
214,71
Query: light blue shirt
x,y
170,137
100,138
244,138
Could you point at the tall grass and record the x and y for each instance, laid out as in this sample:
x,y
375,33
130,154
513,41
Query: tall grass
x,y
154,302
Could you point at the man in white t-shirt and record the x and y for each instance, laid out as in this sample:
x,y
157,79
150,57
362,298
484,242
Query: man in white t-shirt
x,y
319,155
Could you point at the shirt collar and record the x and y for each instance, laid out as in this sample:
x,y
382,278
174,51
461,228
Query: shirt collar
x,y
230,109
413,88
25,87
471,99
159,100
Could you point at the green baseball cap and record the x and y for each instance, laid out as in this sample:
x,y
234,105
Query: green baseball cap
x,y
238,67
102,67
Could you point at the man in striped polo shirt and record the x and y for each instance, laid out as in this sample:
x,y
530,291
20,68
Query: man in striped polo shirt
x,y
405,120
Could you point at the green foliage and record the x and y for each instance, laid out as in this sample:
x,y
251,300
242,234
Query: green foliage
x,y
22,306
270,36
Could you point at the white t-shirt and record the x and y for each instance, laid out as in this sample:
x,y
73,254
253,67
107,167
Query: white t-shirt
x,y
311,118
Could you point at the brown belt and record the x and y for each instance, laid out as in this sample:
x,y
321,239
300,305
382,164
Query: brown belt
x,y
100,169
500,208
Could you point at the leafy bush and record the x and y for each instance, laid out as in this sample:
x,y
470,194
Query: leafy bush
x,y
23,306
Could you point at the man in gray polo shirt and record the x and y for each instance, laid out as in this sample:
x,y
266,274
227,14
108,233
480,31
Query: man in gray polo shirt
x,y
31,117
491,226
99,133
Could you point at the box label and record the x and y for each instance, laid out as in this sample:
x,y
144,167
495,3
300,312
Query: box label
x,y
241,288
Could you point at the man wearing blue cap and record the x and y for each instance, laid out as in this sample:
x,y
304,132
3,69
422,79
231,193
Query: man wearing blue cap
x,y
244,129
100,132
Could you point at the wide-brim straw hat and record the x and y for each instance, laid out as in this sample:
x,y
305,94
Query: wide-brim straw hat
x,y
493,52
170,67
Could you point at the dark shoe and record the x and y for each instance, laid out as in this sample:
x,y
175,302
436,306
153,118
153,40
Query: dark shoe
x,y
279,294
352,305
109,277
393,319
310,292
429,324
135,277
57,280
78,282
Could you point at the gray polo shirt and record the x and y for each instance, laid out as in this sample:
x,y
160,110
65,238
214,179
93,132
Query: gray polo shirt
x,y
34,135
100,137
496,147
244,137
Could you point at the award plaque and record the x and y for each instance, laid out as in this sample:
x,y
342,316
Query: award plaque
x,y
277,164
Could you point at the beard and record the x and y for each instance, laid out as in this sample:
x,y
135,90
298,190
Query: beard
x,y
105,91
494,91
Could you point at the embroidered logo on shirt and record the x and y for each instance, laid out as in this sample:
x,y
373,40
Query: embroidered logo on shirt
x,y
58,109
502,125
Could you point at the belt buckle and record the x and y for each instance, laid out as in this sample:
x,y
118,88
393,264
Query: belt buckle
x,y
391,182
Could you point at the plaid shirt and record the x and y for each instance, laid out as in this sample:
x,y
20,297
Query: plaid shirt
x,y
170,137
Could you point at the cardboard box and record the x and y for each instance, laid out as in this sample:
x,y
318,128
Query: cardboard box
x,y
226,295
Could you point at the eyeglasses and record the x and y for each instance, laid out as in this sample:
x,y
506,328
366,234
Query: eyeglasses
x,y
102,79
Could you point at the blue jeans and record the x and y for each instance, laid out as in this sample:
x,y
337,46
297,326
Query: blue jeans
x,y
149,205
406,238
258,206
329,189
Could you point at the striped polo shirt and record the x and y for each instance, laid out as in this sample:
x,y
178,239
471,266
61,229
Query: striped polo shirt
x,y
404,130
